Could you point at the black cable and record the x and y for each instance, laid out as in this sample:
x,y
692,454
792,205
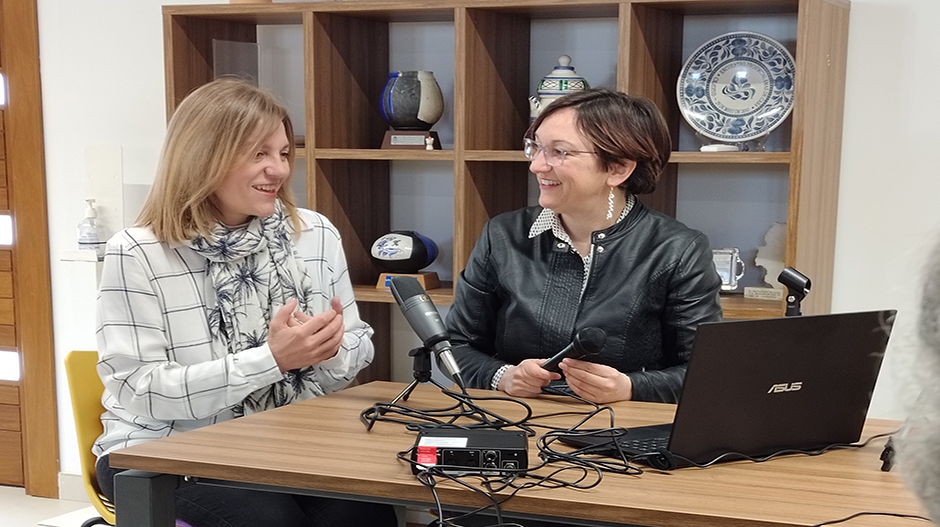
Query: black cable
x,y
587,416
426,479
867,513
887,456
500,422
739,455
499,480
465,408
567,393
619,464
467,414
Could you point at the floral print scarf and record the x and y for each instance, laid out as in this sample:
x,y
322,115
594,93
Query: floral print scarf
x,y
254,270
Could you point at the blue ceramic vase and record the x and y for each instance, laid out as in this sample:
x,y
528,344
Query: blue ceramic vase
x,y
412,100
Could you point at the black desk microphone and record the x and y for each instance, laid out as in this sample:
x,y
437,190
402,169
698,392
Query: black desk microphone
x,y
587,341
424,319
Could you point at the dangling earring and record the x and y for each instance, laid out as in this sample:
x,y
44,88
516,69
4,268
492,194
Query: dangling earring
x,y
610,204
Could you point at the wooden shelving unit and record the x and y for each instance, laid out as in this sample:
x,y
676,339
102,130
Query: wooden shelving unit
x,y
346,62
734,306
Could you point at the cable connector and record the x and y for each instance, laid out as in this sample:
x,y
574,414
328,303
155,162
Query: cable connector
x,y
887,455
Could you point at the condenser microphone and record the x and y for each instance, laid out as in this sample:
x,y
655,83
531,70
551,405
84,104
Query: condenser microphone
x,y
587,341
426,322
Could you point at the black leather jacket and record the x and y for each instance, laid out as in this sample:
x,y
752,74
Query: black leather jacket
x,y
652,282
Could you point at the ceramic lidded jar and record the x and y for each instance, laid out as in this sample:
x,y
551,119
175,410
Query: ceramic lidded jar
x,y
561,81
412,100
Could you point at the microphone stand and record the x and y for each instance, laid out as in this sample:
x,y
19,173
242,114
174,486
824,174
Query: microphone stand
x,y
798,286
422,373
794,297
467,410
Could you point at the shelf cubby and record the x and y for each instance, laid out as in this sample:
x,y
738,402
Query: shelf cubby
x,y
347,56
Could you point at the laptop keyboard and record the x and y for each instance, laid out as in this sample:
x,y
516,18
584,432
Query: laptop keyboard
x,y
651,444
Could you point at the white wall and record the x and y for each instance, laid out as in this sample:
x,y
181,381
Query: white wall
x,y
102,81
102,84
888,212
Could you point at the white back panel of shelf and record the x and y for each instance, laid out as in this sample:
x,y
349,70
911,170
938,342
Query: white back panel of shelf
x,y
422,193
735,206
427,46
281,68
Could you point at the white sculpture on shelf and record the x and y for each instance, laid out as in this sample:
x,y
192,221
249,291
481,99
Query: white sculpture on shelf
x,y
770,255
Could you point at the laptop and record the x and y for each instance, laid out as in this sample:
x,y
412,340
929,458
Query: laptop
x,y
757,387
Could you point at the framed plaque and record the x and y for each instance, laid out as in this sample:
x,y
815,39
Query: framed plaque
x,y
412,140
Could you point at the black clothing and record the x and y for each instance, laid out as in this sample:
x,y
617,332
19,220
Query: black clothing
x,y
218,506
652,282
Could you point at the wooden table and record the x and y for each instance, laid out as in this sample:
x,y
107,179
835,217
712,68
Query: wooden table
x,y
321,447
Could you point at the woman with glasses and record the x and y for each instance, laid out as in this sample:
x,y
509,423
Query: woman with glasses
x,y
589,255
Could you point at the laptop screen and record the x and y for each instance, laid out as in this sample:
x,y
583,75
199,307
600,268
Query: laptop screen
x,y
761,386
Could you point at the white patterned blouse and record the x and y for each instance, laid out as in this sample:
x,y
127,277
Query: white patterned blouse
x,y
161,371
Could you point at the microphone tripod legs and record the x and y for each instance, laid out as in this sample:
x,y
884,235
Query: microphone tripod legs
x,y
421,372
403,396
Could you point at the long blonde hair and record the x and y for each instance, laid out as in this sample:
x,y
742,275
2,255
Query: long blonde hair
x,y
216,127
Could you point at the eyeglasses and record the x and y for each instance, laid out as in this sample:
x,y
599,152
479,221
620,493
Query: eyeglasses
x,y
554,157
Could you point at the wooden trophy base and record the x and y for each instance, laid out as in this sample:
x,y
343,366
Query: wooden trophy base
x,y
427,280
411,140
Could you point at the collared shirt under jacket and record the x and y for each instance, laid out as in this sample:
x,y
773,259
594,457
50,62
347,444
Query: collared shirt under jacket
x,y
652,282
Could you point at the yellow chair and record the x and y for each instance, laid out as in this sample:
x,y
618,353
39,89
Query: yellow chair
x,y
85,388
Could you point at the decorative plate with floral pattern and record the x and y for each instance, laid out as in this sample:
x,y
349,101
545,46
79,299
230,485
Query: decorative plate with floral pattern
x,y
737,87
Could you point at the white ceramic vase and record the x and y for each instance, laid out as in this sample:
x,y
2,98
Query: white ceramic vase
x,y
561,81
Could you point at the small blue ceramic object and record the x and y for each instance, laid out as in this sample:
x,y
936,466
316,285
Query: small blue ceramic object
x,y
412,100
403,252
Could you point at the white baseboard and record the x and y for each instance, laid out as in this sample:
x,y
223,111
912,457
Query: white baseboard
x,y
72,488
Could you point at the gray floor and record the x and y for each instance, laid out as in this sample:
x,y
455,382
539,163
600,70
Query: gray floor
x,y
19,510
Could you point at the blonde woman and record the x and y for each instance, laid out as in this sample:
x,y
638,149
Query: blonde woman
x,y
224,300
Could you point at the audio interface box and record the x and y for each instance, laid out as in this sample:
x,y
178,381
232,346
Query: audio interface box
x,y
460,452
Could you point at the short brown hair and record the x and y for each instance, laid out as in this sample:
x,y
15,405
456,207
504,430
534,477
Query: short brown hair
x,y
622,128
215,128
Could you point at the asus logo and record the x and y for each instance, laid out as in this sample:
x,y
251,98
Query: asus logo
x,y
784,387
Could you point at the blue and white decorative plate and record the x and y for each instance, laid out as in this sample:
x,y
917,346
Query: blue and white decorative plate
x,y
737,86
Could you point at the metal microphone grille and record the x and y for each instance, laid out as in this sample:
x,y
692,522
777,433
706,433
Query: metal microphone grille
x,y
406,286
592,339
